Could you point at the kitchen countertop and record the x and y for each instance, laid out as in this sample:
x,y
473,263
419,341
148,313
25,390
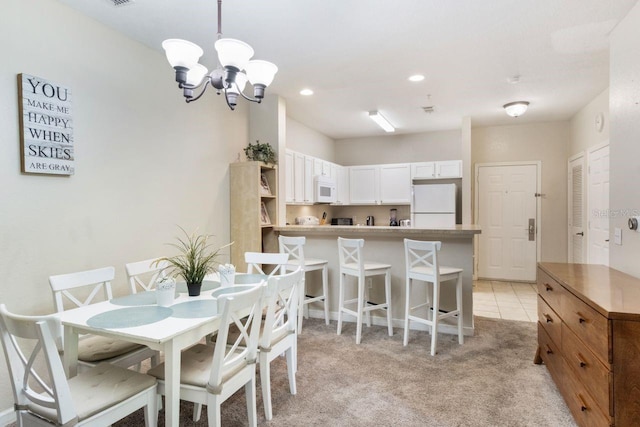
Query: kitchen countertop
x,y
456,231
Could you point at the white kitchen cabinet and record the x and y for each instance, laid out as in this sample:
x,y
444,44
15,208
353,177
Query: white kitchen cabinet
x,y
436,170
340,175
289,176
363,185
298,178
308,179
380,184
395,184
321,167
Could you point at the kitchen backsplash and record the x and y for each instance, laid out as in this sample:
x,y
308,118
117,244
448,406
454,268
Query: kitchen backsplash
x,y
358,213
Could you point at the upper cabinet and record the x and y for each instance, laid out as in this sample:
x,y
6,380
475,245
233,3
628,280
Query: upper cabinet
x,y
380,184
289,177
436,170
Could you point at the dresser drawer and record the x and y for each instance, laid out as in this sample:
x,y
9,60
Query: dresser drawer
x,y
550,320
580,402
587,368
550,290
550,354
590,326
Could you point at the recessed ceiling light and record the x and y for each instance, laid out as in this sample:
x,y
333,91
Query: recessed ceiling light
x,y
306,92
416,78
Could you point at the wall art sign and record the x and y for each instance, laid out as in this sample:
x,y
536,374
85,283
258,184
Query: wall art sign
x,y
46,126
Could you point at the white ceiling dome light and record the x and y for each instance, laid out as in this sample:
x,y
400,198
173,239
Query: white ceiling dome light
x,y
517,108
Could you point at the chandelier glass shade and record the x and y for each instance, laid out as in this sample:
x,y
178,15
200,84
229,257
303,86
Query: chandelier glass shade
x,y
234,70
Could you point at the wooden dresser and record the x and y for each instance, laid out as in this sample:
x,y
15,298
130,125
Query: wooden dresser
x,y
589,339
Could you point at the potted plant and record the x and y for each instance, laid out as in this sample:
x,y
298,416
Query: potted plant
x,y
262,152
195,260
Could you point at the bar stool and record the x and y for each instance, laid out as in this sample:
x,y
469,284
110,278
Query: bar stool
x,y
422,264
294,247
352,264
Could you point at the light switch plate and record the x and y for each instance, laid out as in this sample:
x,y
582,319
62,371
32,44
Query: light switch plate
x,y
617,236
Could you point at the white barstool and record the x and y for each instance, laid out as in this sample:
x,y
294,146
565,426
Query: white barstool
x,y
293,246
352,264
422,264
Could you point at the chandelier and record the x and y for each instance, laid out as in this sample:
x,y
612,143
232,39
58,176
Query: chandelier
x,y
235,68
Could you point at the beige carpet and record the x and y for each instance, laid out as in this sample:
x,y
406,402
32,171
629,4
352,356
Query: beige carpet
x,y
489,381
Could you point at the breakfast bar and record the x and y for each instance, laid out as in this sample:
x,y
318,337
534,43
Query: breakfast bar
x,y
386,244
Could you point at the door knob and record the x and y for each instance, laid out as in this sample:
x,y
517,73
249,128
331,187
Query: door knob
x,y
580,233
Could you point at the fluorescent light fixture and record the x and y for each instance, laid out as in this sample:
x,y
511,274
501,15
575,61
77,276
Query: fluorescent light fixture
x,y
306,92
515,109
381,121
416,78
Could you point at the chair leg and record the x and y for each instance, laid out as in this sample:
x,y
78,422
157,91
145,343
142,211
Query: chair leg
x,y
367,297
265,382
301,305
250,392
340,302
197,411
325,290
459,307
407,310
291,372
213,411
436,308
361,286
151,411
387,291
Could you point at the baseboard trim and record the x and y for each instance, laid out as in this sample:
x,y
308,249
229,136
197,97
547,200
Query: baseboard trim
x,y
7,417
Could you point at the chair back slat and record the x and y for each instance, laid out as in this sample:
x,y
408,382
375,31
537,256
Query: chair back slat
x,y
25,339
350,252
282,296
144,274
257,260
68,284
294,247
244,310
420,253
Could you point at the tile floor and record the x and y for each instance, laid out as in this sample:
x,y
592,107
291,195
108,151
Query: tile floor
x,y
505,300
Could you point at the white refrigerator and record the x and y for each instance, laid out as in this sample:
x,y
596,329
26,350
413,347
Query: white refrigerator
x,y
433,205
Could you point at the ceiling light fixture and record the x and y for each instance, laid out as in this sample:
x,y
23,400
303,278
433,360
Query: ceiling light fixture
x,y
234,68
416,78
306,92
381,121
517,108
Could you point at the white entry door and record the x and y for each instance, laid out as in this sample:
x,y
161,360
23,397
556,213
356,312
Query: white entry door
x,y
598,205
575,208
507,212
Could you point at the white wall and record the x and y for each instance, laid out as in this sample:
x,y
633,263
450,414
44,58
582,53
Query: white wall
x,y
305,140
582,125
548,143
625,140
416,147
145,160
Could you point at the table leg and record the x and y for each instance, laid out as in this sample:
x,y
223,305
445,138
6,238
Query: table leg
x,y
70,356
172,384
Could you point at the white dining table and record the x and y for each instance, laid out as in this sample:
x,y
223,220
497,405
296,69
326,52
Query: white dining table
x,y
136,318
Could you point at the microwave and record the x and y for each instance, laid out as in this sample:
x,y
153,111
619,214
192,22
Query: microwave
x,y
325,189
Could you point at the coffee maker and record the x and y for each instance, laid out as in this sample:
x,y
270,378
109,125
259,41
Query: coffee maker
x,y
393,217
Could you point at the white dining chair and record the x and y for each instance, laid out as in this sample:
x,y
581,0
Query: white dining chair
x,y
353,264
210,375
294,247
81,289
42,394
279,332
144,274
256,262
422,265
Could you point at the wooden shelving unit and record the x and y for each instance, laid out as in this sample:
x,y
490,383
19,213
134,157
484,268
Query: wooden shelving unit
x,y
254,209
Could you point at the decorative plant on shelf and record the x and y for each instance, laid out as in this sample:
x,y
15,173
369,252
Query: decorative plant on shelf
x,y
261,151
195,260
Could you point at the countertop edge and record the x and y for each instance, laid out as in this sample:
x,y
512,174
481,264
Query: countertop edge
x,y
459,230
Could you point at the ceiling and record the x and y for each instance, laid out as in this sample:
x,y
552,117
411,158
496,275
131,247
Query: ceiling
x,y
357,55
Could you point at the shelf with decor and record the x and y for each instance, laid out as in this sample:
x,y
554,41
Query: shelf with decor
x,y
254,209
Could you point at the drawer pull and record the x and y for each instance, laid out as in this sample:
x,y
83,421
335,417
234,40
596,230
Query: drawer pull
x,y
549,351
583,405
581,361
581,318
547,287
549,319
